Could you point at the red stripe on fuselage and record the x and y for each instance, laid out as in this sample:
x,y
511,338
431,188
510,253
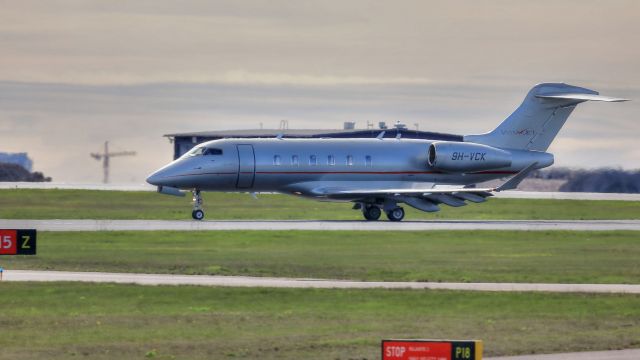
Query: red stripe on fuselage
x,y
342,172
374,172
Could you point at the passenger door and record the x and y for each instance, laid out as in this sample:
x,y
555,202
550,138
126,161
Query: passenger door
x,y
246,166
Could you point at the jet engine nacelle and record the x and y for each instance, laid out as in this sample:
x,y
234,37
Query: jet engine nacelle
x,y
463,156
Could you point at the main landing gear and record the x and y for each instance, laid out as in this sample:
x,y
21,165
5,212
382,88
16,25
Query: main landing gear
x,y
396,214
197,213
373,212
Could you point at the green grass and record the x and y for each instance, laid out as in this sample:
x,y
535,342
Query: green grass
x,y
105,321
474,256
84,204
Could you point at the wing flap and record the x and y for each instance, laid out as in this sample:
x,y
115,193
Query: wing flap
x,y
473,197
447,199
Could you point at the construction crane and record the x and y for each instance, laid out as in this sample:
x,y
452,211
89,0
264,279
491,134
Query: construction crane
x,y
105,156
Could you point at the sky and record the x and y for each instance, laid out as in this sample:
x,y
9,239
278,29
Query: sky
x,y
74,74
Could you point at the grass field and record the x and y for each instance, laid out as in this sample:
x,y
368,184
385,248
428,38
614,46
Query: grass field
x,y
102,321
85,204
474,256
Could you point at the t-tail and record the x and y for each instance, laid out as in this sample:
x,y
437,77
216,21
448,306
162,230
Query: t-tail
x,y
539,118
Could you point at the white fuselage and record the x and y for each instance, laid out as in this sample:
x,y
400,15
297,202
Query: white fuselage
x,y
299,166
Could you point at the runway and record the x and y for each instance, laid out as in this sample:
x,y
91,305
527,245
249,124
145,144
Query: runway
x,y
192,225
510,194
268,282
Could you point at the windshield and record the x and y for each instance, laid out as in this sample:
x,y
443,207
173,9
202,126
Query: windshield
x,y
195,151
201,150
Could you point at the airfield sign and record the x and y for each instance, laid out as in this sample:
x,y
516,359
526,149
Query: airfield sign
x,y
431,350
17,242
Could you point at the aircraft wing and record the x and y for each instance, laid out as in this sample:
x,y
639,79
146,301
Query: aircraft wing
x,y
415,192
421,199
427,199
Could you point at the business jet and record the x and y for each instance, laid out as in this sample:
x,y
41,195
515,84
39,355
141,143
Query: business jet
x,y
379,174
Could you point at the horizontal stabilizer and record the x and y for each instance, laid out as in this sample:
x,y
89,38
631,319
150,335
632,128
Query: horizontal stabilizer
x,y
578,96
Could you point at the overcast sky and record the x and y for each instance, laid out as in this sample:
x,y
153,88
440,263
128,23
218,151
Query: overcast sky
x,y
76,73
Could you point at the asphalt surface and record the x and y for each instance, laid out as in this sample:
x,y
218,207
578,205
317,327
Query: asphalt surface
x,y
192,225
248,281
632,354
511,194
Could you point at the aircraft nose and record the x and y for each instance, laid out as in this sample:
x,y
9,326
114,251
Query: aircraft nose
x,y
155,179
161,177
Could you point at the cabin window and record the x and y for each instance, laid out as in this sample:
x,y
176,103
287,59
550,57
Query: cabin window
x,y
313,160
212,151
331,160
276,160
367,161
294,160
349,160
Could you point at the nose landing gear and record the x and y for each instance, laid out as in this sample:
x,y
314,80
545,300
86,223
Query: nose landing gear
x,y
197,213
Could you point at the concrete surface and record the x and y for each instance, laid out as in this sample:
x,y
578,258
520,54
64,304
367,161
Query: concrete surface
x,y
249,281
192,225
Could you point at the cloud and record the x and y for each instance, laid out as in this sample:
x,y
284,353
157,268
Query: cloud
x,y
76,73
60,124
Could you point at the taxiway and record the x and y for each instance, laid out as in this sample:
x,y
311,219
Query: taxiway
x,y
270,282
191,225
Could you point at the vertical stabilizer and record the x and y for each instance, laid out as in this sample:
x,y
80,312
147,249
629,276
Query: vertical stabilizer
x,y
539,118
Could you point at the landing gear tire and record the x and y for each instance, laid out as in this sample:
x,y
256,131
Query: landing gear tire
x,y
197,214
396,214
371,213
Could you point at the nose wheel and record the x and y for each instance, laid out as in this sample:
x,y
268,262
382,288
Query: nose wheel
x,y
197,213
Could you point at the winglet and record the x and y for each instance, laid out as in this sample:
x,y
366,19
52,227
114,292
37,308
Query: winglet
x,y
517,178
381,135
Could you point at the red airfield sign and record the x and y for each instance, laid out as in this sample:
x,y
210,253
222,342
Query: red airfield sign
x,y
431,350
17,242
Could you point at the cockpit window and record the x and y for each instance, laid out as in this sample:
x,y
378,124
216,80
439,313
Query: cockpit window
x,y
201,150
212,151
198,150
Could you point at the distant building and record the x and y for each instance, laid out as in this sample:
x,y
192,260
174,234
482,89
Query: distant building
x,y
21,159
183,142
